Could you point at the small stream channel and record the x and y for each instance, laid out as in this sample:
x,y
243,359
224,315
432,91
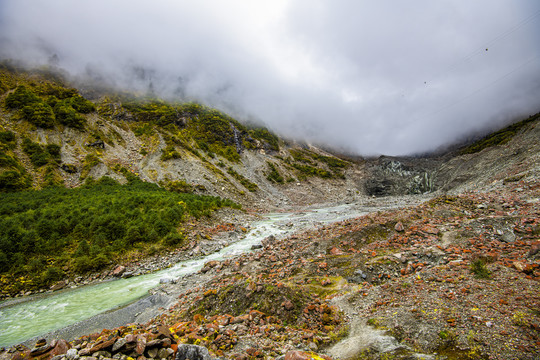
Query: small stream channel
x,y
48,312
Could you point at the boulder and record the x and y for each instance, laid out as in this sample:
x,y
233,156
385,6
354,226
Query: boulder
x,y
118,271
59,285
192,352
60,347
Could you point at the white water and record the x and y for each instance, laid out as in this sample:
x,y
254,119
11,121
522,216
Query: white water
x,y
47,313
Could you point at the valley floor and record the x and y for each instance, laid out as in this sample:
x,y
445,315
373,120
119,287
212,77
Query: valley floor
x,y
455,277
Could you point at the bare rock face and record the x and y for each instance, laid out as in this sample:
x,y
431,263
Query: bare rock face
x,y
192,352
392,176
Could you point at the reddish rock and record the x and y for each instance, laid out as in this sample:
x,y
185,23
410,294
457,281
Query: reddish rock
x,y
118,271
302,355
240,319
141,344
224,320
209,265
288,305
433,231
253,352
131,338
103,345
399,227
336,251
325,282
60,347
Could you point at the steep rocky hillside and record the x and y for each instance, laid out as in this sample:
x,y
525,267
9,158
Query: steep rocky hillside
x,y
52,135
508,155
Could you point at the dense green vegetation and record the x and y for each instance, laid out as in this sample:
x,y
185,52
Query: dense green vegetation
x,y
41,155
264,134
243,180
273,174
13,176
46,234
500,137
46,104
192,126
308,163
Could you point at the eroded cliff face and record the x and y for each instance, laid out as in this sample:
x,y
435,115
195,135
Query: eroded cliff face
x,y
515,158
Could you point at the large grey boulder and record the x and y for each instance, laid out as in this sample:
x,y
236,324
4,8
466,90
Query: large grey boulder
x,y
192,352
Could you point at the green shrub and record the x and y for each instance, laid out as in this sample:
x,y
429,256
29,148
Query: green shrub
x,y
41,155
68,116
82,105
90,161
52,274
169,153
8,138
39,114
308,170
270,139
180,186
479,268
21,97
144,129
273,174
12,180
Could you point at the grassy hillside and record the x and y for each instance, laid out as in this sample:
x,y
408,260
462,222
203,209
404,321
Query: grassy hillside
x,y
500,137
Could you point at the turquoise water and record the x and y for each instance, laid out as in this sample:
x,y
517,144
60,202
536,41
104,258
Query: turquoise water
x,y
53,311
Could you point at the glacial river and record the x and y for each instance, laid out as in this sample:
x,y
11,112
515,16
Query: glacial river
x,y
48,312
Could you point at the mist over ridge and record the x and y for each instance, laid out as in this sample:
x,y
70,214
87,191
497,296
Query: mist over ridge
x,y
363,78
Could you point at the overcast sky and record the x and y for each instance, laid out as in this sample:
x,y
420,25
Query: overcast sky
x,y
369,77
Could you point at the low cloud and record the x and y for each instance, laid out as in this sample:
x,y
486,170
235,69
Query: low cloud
x,y
364,77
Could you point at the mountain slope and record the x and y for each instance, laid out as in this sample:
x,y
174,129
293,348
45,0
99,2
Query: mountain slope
x,y
186,147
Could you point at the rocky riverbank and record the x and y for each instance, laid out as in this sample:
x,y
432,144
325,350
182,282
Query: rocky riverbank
x,y
455,277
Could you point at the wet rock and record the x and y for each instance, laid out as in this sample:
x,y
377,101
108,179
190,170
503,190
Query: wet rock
x,y
268,240
167,281
209,265
38,350
59,285
256,247
192,352
40,343
127,274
